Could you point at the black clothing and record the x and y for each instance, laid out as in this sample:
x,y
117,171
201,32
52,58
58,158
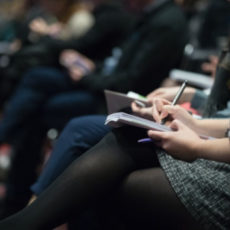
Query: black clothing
x,y
215,24
117,165
154,48
113,25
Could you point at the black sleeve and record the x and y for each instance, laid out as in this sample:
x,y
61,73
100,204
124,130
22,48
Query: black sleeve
x,y
146,66
110,29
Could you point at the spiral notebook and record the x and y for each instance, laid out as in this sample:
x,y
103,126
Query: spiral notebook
x,y
120,119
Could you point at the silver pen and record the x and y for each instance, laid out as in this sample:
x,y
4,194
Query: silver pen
x,y
176,98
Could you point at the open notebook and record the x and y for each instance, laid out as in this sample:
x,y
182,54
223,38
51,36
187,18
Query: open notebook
x,y
119,119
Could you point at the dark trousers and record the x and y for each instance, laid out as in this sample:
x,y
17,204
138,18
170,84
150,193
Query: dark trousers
x,y
78,136
46,98
44,92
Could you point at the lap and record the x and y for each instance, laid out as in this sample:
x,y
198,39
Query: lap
x,y
45,78
79,135
148,197
62,107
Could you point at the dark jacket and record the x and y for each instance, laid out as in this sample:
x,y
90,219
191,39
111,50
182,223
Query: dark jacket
x,y
112,26
154,47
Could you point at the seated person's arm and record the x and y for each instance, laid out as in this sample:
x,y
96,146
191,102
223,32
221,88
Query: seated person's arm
x,y
185,142
186,145
161,108
169,93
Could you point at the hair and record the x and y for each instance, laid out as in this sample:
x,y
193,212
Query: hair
x,y
70,6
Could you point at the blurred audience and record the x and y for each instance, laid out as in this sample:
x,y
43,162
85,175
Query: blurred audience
x,y
83,47
46,53
53,96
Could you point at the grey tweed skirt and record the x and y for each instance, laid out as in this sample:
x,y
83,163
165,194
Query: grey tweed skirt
x,y
203,187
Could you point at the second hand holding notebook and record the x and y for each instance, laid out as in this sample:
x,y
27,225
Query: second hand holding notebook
x,y
120,118
174,102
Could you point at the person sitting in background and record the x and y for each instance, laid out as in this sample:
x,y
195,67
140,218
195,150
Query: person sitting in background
x,y
153,48
48,50
82,133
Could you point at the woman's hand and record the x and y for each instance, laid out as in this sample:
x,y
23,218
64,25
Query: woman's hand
x,y
68,57
169,93
145,112
163,108
39,26
77,64
181,143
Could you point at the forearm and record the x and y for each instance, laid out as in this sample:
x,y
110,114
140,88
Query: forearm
x,y
212,127
216,150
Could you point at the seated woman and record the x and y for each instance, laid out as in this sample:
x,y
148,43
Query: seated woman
x,y
179,177
82,133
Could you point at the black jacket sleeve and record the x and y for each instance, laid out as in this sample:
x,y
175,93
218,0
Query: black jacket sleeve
x,y
144,67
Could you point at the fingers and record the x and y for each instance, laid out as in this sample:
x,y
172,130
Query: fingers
x,y
157,109
156,135
175,111
143,112
158,105
135,108
67,57
76,74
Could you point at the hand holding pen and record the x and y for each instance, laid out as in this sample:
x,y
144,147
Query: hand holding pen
x,y
162,108
176,99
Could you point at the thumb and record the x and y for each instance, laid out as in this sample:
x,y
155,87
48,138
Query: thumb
x,y
156,135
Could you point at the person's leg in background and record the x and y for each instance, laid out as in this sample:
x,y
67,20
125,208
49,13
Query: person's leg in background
x,y
35,89
78,136
27,152
25,157
93,177
61,108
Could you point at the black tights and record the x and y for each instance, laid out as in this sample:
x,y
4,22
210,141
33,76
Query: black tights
x,y
119,164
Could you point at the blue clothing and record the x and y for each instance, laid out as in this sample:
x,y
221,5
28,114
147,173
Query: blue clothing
x,y
45,91
78,136
29,115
